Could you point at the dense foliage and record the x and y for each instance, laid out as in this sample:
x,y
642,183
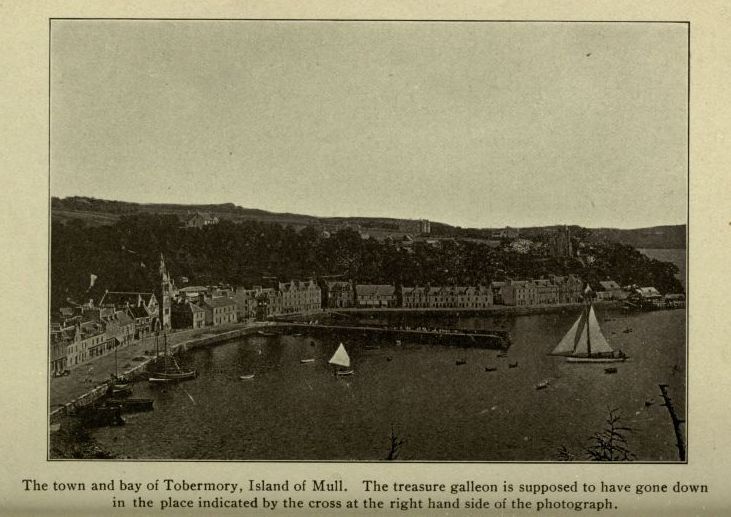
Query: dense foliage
x,y
125,256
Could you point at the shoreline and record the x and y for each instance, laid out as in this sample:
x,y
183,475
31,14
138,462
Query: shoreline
x,y
212,336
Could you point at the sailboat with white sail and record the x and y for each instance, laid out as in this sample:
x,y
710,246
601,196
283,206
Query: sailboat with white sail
x,y
585,342
341,359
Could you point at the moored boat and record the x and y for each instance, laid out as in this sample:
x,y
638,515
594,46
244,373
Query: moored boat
x,y
169,371
246,377
130,405
101,415
119,390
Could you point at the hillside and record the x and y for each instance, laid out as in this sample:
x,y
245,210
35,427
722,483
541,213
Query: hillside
x,y
95,212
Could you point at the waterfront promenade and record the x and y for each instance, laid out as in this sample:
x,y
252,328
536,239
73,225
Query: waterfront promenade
x,y
98,371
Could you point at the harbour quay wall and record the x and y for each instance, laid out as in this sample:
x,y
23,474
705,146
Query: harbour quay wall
x,y
493,310
494,340
138,371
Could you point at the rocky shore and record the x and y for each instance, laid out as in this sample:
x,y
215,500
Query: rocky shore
x,y
70,439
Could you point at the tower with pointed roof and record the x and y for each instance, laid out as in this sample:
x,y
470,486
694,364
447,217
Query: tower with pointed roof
x,y
165,295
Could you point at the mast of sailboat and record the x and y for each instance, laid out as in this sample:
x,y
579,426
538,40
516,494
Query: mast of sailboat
x,y
587,294
588,333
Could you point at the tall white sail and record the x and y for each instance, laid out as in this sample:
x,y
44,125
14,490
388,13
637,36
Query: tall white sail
x,y
567,345
594,339
599,344
340,357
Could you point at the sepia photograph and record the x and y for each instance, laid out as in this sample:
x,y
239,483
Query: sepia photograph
x,y
368,241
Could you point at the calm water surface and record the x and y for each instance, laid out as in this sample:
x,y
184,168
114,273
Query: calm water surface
x,y
294,411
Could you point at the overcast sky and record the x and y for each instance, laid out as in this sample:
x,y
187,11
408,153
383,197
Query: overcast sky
x,y
472,124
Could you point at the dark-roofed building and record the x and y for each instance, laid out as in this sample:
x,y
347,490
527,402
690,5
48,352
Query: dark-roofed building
x,y
300,296
219,311
187,314
375,295
192,292
497,292
119,324
647,298
200,220
520,293
61,339
143,321
610,290
570,288
339,294
546,291
143,307
674,301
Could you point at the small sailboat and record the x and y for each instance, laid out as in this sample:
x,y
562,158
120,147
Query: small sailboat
x,y
490,368
585,342
341,359
542,385
308,360
514,364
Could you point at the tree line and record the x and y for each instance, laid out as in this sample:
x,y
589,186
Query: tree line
x,y
125,256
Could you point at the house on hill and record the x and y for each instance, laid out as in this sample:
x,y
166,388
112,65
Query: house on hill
x,y
200,219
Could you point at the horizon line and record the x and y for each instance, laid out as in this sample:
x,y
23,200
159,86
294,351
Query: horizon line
x,y
601,227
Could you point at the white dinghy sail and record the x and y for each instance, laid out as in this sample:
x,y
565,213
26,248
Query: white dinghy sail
x,y
340,357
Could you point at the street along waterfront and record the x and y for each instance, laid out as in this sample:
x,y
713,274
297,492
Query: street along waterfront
x,y
440,400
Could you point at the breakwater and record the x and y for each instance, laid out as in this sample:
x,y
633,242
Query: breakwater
x,y
493,339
